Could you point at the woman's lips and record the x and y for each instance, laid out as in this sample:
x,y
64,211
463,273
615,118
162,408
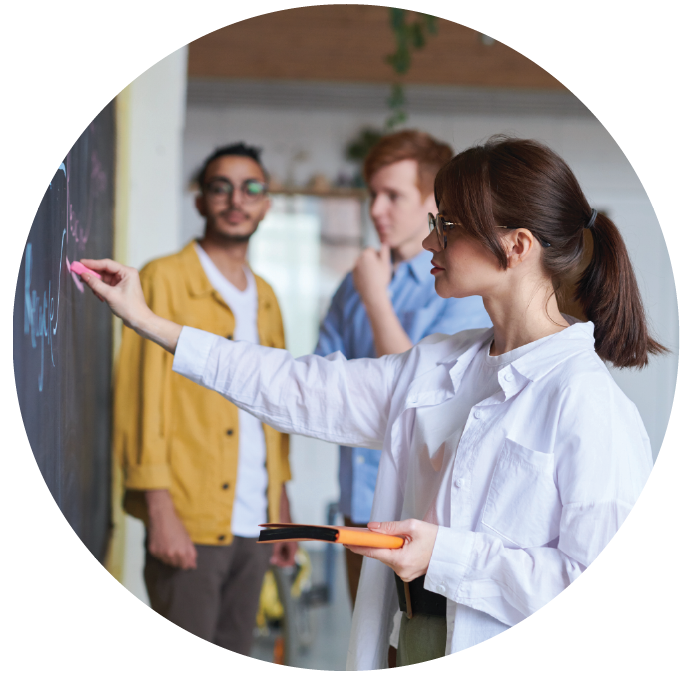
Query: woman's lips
x,y
436,268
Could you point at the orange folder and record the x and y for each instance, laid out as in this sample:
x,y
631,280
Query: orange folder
x,y
275,533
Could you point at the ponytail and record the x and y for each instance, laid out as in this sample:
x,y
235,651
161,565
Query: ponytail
x,y
609,295
524,184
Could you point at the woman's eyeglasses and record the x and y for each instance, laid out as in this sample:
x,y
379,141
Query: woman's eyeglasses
x,y
441,225
221,189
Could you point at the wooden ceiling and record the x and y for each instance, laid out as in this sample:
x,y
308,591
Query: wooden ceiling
x,y
348,43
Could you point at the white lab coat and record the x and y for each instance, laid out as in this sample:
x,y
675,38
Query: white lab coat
x,y
572,457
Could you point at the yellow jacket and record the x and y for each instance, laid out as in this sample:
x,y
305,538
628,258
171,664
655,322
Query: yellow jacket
x,y
170,433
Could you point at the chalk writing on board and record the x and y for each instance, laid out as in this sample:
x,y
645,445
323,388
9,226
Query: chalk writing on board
x,y
42,309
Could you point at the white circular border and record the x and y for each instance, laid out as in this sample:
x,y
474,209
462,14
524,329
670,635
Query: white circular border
x,y
63,613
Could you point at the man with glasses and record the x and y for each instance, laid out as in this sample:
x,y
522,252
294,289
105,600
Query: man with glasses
x,y
388,302
201,474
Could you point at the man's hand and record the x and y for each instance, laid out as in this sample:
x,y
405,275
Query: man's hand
x,y
168,539
410,561
371,277
284,553
372,274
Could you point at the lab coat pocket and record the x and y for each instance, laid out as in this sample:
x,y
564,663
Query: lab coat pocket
x,y
522,506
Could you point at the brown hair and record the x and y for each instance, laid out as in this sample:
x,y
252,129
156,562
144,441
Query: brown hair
x,y
429,153
522,183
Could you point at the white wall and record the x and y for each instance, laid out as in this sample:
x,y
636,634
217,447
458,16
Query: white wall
x,y
151,121
318,138
156,114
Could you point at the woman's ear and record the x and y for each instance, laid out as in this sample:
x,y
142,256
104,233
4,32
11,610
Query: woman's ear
x,y
520,244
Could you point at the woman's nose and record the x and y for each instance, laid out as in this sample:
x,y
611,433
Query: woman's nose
x,y
431,243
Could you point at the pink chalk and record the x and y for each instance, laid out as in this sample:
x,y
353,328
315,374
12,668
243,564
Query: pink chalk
x,y
79,268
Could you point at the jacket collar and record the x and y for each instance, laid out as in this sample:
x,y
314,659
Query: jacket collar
x,y
197,282
199,286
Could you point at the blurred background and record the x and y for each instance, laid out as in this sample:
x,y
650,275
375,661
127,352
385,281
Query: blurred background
x,y
312,87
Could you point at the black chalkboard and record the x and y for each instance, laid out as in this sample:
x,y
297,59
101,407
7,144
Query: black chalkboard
x,y
63,336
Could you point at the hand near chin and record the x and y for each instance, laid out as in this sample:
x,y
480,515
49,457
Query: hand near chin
x,y
410,561
372,274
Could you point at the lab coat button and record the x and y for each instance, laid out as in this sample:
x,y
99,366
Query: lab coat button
x,y
508,377
477,414
442,590
459,482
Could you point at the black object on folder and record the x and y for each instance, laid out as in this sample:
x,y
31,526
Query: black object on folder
x,y
298,533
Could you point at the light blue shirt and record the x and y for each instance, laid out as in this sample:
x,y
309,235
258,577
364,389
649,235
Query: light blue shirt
x,y
346,329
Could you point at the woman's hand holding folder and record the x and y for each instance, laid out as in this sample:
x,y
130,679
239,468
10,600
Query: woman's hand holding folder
x,y
405,546
410,561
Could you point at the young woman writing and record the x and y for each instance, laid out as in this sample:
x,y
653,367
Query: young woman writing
x,y
510,456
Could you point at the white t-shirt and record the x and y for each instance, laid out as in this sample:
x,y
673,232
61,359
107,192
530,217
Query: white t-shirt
x,y
250,505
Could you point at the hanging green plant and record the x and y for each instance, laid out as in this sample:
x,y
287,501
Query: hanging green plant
x,y
409,36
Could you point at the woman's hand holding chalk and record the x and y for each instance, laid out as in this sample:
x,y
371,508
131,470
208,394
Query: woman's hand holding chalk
x,y
117,285
79,268
120,287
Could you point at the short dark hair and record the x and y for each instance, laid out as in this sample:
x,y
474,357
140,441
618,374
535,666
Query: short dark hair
x,y
236,149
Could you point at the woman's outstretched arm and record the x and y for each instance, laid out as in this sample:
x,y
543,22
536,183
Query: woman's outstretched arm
x,y
346,402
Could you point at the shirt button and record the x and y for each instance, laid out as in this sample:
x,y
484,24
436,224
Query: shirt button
x,y
230,337
459,482
230,432
442,590
360,460
226,486
222,537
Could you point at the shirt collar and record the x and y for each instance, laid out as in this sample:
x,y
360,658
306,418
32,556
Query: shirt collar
x,y
578,337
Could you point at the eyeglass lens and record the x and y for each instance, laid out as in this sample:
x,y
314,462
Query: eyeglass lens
x,y
436,223
251,189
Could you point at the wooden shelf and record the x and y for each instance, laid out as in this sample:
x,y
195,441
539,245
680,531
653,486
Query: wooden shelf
x,y
334,192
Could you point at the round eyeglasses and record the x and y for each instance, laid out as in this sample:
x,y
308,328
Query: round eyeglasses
x,y
220,189
441,225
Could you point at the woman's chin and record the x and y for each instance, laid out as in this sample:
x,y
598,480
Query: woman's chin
x,y
444,290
